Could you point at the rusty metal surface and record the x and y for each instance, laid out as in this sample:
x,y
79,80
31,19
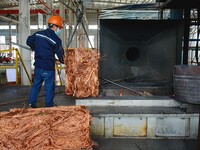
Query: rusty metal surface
x,y
147,126
97,126
186,82
130,126
186,70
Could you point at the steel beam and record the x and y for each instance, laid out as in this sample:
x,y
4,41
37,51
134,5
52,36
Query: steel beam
x,y
9,19
16,12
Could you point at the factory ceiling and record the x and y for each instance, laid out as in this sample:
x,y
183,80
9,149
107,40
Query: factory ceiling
x,y
88,4
10,9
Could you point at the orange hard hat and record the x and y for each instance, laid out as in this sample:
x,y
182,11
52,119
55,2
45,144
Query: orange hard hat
x,y
57,20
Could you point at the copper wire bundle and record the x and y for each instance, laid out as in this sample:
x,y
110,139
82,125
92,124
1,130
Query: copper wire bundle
x,y
60,128
82,72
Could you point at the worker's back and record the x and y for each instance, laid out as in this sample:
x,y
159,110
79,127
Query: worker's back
x,y
45,44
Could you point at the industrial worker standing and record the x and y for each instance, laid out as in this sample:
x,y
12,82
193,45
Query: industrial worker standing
x,y
46,44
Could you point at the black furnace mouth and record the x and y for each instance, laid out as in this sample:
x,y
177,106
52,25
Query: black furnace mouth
x,y
145,49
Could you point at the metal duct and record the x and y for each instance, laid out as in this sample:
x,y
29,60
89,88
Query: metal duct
x,y
139,50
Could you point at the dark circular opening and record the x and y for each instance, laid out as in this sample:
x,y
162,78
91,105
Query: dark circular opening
x,y
132,53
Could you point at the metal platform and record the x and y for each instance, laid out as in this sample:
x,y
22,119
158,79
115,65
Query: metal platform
x,y
145,101
153,117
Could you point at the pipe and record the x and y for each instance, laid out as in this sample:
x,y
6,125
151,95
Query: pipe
x,y
23,46
186,35
33,11
9,19
53,12
10,39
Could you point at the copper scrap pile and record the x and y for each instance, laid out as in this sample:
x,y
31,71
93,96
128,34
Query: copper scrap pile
x,y
64,127
82,73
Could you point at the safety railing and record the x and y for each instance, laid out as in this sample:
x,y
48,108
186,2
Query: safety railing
x,y
15,64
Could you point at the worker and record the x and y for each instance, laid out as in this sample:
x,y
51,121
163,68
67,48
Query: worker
x,y
46,44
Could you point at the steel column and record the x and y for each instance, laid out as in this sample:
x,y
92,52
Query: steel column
x,y
49,13
24,32
62,15
186,35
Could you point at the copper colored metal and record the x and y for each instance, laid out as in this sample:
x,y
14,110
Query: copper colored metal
x,y
64,127
82,73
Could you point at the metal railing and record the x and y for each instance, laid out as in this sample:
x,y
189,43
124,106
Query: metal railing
x,y
15,64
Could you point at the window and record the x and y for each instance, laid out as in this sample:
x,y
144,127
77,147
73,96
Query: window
x,y
91,37
2,40
93,27
14,39
6,27
33,26
67,26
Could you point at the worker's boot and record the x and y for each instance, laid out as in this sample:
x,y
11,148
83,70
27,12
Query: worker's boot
x,y
31,106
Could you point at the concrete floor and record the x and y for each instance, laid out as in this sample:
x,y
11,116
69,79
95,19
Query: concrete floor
x,y
144,144
17,96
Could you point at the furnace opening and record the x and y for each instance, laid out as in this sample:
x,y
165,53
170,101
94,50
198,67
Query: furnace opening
x,y
133,53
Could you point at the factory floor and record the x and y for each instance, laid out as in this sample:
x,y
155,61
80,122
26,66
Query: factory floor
x,y
145,144
12,96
